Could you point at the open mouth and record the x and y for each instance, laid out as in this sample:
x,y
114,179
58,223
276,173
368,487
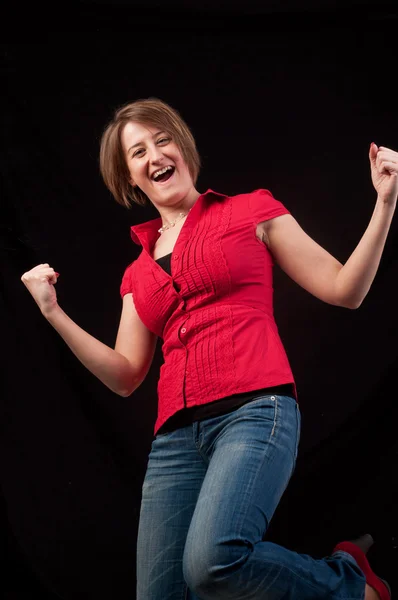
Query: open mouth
x,y
164,174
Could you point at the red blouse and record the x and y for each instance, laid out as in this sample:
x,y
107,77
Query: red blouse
x,y
215,311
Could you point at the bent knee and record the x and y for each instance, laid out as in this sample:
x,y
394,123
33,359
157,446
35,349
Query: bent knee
x,y
213,570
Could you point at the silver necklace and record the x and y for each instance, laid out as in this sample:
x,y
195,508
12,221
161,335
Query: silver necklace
x,y
172,223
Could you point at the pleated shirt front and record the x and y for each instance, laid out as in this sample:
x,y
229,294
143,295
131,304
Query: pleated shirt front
x,y
214,312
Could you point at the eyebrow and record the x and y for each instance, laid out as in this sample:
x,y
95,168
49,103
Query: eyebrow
x,y
140,143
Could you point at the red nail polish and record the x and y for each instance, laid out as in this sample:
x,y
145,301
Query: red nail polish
x,y
57,274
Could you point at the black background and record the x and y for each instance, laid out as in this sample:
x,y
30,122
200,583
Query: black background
x,y
285,96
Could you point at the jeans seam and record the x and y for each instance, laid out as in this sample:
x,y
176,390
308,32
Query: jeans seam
x,y
265,451
197,440
298,431
275,399
185,594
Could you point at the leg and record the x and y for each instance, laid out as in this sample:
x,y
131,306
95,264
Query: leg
x,y
171,487
252,455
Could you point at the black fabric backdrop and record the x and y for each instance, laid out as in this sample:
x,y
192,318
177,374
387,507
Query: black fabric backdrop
x,y
289,101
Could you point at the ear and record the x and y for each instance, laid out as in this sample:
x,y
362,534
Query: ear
x,y
132,183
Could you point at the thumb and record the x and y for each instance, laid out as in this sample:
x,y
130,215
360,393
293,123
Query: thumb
x,y
373,153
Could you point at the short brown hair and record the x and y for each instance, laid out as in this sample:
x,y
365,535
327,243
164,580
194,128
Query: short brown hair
x,y
149,111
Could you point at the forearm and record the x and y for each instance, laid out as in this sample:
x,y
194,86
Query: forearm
x,y
110,367
356,276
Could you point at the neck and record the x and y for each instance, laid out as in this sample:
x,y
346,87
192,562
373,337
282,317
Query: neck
x,y
182,205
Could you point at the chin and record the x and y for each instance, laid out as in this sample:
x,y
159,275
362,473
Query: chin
x,y
175,192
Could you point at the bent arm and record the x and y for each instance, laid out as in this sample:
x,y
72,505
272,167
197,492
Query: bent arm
x,y
357,275
316,270
122,370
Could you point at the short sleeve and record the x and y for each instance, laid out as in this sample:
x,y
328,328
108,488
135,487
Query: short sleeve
x,y
263,206
126,284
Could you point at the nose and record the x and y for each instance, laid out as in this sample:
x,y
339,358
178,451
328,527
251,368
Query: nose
x,y
155,155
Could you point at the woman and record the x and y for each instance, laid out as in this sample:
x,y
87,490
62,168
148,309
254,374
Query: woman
x,y
228,422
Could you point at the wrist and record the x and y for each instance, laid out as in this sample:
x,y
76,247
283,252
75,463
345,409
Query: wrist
x,y
50,312
388,202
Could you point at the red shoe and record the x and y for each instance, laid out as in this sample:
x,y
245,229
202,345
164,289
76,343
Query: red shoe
x,y
358,551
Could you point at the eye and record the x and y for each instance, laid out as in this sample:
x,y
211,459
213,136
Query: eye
x,y
163,140
138,152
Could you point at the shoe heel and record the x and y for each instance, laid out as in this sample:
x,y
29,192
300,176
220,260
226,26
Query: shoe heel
x,y
379,585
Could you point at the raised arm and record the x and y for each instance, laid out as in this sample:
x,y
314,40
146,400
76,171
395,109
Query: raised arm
x,y
315,269
121,369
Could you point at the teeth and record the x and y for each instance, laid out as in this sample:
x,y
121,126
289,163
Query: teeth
x,y
161,171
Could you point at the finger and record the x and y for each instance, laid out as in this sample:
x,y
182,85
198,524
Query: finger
x,y
384,164
38,268
388,149
42,274
390,168
387,155
50,279
373,153
48,271
380,160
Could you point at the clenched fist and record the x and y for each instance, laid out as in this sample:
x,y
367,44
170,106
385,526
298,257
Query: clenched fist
x,y
40,282
384,170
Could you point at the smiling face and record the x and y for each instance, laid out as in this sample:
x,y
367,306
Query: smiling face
x,y
155,164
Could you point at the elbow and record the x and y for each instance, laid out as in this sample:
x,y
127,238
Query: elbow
x,y
128,379
125,393
351,303
353,306
131,386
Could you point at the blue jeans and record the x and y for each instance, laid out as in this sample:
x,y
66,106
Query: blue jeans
x,y
210,491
